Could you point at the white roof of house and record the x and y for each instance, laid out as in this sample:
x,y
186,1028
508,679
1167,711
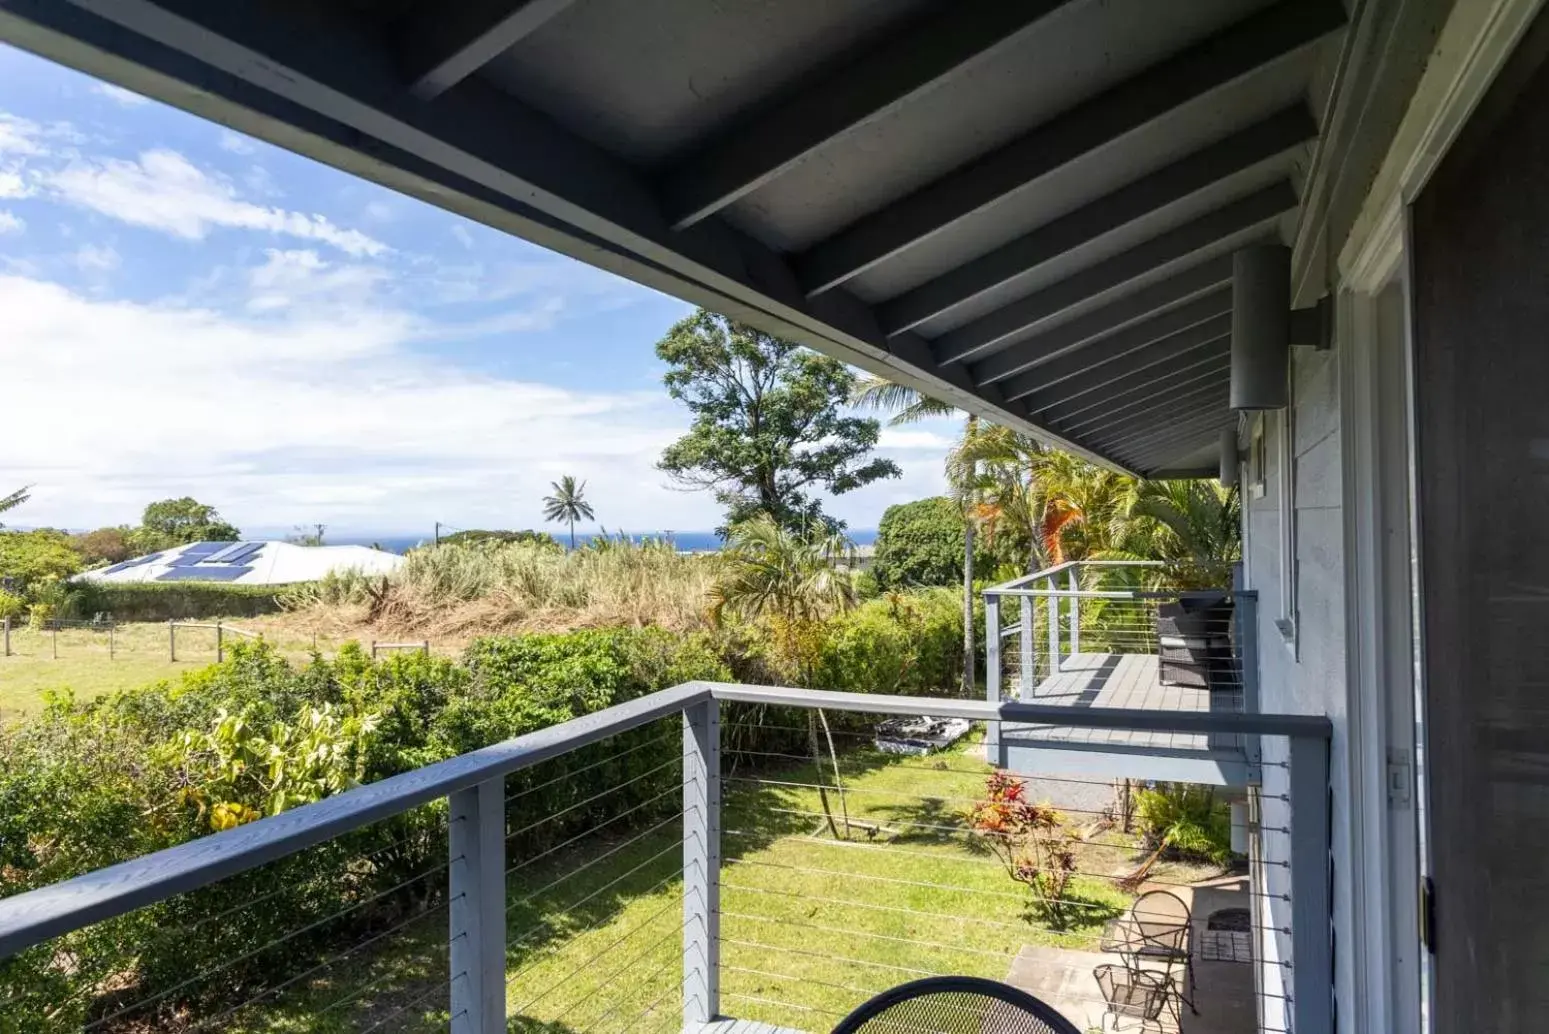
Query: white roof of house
x,y
247,563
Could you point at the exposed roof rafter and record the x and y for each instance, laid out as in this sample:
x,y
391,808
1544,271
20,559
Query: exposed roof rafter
x,y
1243,150
1236,51
862,88
443,45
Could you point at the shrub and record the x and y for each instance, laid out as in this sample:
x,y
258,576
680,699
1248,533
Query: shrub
x,y
104,546
920,543
907,643
11,605
1187,820
29,556
1033,844
468,538
177,601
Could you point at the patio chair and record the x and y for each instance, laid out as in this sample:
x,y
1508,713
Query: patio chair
x,y
955,1005
1134,994
1164,927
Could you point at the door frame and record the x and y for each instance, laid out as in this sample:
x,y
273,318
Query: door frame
x,y
1472,47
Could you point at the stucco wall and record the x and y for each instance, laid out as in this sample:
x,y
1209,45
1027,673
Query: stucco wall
x,y
1304,672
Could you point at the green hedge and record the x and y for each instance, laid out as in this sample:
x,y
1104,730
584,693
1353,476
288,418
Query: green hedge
x,y
89,784
177,601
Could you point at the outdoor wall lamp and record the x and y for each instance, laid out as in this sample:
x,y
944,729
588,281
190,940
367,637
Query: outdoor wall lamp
x,y
1264,327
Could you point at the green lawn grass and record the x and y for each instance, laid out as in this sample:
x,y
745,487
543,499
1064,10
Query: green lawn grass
x,y
810,925
78,659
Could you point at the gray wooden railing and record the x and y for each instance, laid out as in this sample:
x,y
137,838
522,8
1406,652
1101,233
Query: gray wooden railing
x,y
474,784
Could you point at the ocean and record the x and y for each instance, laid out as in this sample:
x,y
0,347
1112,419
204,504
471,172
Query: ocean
x,y
693,541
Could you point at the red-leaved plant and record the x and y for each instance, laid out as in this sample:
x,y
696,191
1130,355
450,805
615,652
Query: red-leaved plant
x,y
1032,842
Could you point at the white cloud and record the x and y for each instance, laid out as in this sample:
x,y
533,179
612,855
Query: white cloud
x,y
236,143
307,407
20,136
463,237
118,95
89,258
10,222
165,191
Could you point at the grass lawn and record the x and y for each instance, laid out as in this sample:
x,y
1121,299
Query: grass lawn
x,y
810,925
139,657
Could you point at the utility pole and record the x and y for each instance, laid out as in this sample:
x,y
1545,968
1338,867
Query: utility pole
x,y
438,533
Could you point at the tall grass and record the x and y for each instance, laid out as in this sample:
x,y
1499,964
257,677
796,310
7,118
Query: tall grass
x,y
491,586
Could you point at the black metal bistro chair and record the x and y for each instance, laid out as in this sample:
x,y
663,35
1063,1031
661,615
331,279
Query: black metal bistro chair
x,y
1138,995
955,1005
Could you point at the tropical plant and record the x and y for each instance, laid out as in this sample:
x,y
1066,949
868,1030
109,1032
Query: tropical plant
x,y
568,504
1032,842
1185,819
15,499
792,582
768,429
908,405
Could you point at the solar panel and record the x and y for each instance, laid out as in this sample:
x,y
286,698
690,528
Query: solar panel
x,y
242,555
203,574
205,548
127,564
226,550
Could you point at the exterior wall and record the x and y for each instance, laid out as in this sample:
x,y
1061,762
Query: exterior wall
x,y
1301,641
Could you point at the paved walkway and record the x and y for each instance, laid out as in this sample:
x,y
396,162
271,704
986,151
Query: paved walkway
x,y
1223,991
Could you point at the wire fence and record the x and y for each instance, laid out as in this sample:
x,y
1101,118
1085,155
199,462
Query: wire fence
x,y
843,874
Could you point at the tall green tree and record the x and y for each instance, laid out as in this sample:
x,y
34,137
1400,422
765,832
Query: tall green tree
x,y
792,582
15,499
174,522
768,429
908,405
568,504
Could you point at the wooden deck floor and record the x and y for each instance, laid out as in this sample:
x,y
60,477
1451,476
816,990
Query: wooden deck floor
x,y
1127,680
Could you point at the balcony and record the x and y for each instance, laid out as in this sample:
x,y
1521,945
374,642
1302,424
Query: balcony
x,y
1086,634
722,879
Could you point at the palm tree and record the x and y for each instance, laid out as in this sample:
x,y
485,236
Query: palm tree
x,y
793,583
15,499
568,504
908,406
1194,526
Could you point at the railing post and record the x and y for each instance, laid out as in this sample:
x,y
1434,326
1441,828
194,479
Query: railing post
x,y
476,838
992,675
1054,628
701,864
1075,611
1247,604
1312,932
1027,640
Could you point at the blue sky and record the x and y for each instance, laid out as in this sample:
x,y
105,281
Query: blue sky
x,y
188,311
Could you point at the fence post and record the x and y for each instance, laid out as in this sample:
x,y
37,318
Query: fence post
x,y
111,643
54,639
220,646
373,649
1028,645
701,864
1054,628
992,748
476,842
7,636
1075,611
171,640
1312,933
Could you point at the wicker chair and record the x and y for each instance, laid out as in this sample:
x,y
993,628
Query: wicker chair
x,y
955,1005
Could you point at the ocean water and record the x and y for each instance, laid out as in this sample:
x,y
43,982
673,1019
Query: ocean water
x,y
693,541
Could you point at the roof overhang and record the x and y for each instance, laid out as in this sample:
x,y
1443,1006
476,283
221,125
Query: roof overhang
x,y
1025,209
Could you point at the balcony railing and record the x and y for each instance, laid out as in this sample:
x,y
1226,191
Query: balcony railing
x,y
1093,634
732,865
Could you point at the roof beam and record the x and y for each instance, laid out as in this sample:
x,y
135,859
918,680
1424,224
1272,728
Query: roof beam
x,y
1161,436
1156,427
1154,455
1147,195
1131,339
443,45
1204,393
849,94
1124,311
994,331
1206,336
1200,363
1182,392
1236,51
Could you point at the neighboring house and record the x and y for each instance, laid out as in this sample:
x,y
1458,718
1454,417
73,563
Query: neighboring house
x,y
247,563
1093,224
